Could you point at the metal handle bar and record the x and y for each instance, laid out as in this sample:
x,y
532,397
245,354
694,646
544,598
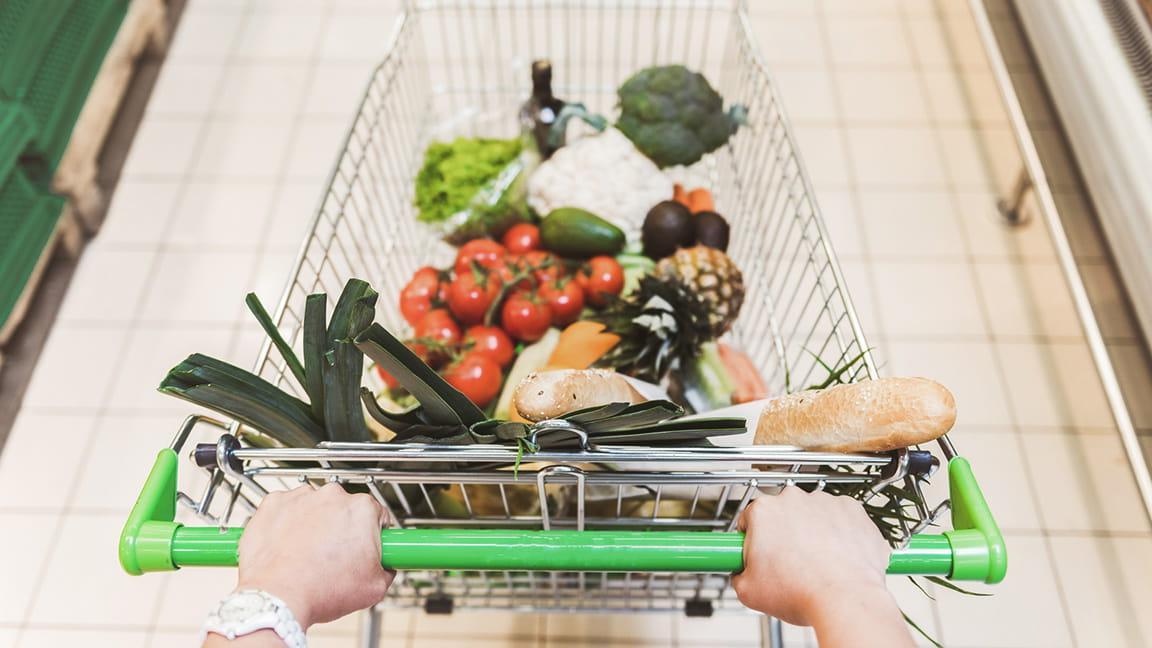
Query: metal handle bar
x,y
153,541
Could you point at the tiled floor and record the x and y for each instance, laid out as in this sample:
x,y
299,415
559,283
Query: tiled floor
x,y
224,172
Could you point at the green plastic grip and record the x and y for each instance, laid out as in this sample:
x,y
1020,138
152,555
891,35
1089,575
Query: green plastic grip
x,y
151,541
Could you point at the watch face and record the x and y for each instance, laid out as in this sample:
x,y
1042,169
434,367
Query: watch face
x,y
241,607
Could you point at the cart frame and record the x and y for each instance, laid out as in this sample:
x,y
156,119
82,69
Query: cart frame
x,y
639,516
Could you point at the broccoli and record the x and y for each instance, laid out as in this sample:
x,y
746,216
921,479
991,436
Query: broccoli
x,y
674,116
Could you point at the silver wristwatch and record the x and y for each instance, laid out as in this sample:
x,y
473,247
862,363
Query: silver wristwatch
x,y
247,611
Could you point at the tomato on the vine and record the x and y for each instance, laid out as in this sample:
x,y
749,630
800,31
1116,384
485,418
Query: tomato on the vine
x,y
602,279
491,341
477,376
512,266
470,295
437,334
565,298
486,253
525,317
424,290
522,237
545,266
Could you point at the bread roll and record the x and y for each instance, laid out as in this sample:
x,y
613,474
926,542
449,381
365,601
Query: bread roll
x,y
868,416
548,394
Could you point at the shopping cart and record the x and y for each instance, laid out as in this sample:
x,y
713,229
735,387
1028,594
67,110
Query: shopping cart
x,y
594,528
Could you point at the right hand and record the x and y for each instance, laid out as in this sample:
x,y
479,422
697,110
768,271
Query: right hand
x,y
318,550
803,550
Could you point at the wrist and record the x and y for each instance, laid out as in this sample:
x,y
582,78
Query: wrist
x,y
296,601
837,600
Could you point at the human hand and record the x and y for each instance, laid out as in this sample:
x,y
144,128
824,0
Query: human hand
x,y
804,550
318,550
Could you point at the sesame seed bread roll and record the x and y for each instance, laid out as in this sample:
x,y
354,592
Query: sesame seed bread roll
x,y
545,395
869,416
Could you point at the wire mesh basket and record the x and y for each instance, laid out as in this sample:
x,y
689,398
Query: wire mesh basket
x,y
595,528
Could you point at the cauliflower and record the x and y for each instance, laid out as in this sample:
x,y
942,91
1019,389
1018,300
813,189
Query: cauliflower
x,y
603,174
674,116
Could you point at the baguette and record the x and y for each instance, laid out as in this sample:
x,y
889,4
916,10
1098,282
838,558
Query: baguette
x,y
548,394
869,416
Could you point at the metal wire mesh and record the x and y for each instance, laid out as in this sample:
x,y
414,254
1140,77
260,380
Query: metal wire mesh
x,y
461,68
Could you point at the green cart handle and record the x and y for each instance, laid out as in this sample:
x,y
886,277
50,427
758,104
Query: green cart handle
x,y
152,541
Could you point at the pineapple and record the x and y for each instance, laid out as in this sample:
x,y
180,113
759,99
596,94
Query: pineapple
x,y
713,276
661,325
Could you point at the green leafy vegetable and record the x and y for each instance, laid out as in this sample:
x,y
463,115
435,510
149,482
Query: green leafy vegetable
x,y
471,187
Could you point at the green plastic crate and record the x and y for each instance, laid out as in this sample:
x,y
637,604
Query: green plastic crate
x,y
64,76
28,217
26,31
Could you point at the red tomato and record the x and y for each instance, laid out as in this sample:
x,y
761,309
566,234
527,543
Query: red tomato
x,y
513,265
470,294
477,376
523,237
386,377
565,299
438,334
545,266
491,341
485,252
525,317
417,297
604,278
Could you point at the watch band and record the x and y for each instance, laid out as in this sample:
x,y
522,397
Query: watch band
x,y
246,611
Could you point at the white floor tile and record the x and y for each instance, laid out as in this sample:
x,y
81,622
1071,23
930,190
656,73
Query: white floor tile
x,y
221,215
916,300
1001,471
162,148
884,96
8,637
188,596
980,159
1027,300
35,442
20,576
871,8
107,286
88,637
294,206
205,36
173,638
823,152
807,94
1137,556
789,41
199,287
884,156
138,214
280,31
83,583
1084,483
151,353
911,224
442,642
946,96
335,90
243,149
76,367
1024,610
968,369
356,37
984,98
720,629
262,89
858,41
479,625
271,276
119,458
843,224
964,39
990,237
185,89
1053,385
1091,575
316,145
643,629
929,42
857,276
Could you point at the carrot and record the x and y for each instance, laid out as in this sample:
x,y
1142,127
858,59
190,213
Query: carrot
x,y
749,385
580,345
699,200
679,194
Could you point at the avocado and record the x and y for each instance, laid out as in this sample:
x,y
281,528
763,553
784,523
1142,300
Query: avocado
x,y
712,230
574,232
667,226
